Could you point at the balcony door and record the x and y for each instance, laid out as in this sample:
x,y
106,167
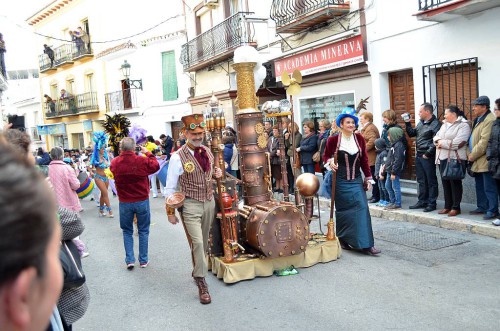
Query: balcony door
x,y
127,98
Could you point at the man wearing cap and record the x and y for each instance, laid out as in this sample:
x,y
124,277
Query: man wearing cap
x,y
486,190
425,165
192,168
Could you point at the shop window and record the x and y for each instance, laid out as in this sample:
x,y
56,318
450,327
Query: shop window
x,y
61,140
324,107
77,141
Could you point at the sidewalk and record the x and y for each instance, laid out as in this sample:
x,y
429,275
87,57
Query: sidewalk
x,y
463,222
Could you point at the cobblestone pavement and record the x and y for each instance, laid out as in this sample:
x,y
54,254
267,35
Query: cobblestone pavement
x,y
427,278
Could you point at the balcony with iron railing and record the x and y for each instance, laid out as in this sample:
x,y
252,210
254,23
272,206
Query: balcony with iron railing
x,y
445,10
293,16
122,100
73,105
218,43
64,54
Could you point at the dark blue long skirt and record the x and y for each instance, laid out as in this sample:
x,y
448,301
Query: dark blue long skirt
x,y
352,216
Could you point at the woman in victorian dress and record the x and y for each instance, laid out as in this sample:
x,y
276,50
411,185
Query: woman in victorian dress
x,y
354,226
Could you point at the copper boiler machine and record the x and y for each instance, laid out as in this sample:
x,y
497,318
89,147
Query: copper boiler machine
x,y
274,228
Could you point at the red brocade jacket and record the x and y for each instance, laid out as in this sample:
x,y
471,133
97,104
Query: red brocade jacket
x,y
333,143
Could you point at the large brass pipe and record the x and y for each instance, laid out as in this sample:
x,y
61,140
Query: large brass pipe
x,y
246,86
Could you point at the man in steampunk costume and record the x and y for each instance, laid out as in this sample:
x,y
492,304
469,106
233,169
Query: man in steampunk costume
x,y
192,168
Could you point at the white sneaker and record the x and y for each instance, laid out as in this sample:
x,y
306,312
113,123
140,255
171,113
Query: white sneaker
x,y
85,254
496,222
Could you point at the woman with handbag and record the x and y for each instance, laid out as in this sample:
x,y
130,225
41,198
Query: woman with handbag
x,y
451,145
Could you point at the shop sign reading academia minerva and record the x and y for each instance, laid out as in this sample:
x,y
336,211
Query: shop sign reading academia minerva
x,y
332,56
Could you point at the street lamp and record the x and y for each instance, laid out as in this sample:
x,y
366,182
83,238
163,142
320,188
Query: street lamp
x,y
125,68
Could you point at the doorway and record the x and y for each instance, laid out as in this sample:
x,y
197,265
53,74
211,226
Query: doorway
x,y
402,101
176,129
127,98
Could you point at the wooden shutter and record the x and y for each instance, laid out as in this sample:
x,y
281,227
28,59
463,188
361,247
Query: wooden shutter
x,y
169,76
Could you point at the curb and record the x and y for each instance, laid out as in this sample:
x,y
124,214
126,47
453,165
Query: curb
x,y
454,223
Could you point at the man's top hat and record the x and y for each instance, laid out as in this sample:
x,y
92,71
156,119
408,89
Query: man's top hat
x,y
193,123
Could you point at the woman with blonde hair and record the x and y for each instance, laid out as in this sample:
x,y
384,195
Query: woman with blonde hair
x,y
390,120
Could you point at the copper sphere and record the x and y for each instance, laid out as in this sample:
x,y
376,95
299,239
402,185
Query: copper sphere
x,y
307,184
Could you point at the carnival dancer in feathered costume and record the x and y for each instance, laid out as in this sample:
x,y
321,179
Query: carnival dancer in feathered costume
x,y
117,127
100,162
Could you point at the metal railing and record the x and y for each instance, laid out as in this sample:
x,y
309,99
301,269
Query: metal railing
x,y
121,100
431,4
286,11
65,53
227,35
453,82
73,105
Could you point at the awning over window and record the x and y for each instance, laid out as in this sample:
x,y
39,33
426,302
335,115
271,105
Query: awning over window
x,y
51,129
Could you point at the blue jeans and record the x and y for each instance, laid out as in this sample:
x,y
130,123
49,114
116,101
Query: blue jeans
x,y
394,189
127,211
486,193
384,195
309,168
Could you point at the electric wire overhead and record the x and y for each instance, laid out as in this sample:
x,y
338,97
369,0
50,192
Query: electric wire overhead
x,y
114,40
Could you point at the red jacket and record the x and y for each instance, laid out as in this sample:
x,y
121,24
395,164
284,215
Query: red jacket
x,y
131,175
333,142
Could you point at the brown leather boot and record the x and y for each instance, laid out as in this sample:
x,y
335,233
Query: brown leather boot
x,y
203,290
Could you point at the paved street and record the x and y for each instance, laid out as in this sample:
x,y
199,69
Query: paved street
x,y
412,285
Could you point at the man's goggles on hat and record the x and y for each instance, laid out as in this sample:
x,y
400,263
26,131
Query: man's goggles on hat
x,y
193,126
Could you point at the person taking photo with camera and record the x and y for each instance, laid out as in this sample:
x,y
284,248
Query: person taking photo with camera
x,y
425,165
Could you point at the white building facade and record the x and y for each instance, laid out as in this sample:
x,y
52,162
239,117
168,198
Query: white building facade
x,y
438,51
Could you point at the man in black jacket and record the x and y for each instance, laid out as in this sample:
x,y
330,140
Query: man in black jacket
x,y
166,145
425,160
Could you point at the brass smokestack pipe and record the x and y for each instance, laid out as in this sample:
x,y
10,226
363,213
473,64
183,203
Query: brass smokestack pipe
x,y
246,85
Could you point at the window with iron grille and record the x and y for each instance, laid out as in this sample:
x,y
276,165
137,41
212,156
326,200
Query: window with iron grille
x,y
453,82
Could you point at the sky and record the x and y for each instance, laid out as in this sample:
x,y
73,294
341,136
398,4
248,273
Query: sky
x,y
21,44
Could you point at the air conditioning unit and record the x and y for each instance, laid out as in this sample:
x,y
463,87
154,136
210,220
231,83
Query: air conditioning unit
x,y
211,3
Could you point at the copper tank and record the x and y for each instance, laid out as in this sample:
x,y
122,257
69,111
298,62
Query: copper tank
x,y
271,227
